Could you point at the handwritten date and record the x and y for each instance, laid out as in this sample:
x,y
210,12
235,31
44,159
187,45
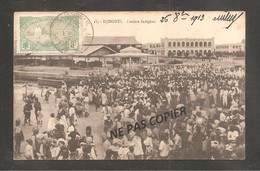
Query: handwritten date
x,y
182,16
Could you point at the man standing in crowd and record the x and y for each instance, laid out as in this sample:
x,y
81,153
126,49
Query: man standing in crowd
x,y
37,109
27,113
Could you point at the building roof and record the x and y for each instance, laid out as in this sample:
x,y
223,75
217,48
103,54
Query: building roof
x,y
88,51
114,40
128,55
130,49
130,52
92,49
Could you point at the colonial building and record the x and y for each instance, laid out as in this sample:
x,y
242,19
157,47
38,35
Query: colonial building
x,y
132,55
185,47
115,42
152,48
231,48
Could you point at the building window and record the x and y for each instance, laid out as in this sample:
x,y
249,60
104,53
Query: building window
x,y
200,44
174,44
162,52
209,51
236,46
187,44
150,46
196,44
178,44
233,47
169,53
209,44
205,44
205,51
191,51
191,44
169,44
200,51
178,53
163,45
183,44
174,51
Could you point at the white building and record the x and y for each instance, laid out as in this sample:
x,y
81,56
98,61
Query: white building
x,y
187,47
153,48
231,48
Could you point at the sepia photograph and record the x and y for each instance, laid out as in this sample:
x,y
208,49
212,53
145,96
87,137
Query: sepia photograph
x,y
153,85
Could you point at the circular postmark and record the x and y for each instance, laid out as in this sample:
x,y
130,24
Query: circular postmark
x,y
71,32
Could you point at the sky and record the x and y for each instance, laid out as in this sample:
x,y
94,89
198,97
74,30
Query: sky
x,y
152,33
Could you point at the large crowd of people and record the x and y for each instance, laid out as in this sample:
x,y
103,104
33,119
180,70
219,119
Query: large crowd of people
x,y
213,128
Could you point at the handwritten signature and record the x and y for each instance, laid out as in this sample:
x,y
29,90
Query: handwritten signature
x,y
228,17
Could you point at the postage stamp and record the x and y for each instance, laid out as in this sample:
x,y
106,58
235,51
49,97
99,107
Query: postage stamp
x,y
70,31
55,32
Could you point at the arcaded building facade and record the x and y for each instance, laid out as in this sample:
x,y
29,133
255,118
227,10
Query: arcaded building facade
x,y
186,47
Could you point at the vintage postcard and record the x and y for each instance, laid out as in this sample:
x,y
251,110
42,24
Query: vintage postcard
x,y
157,85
